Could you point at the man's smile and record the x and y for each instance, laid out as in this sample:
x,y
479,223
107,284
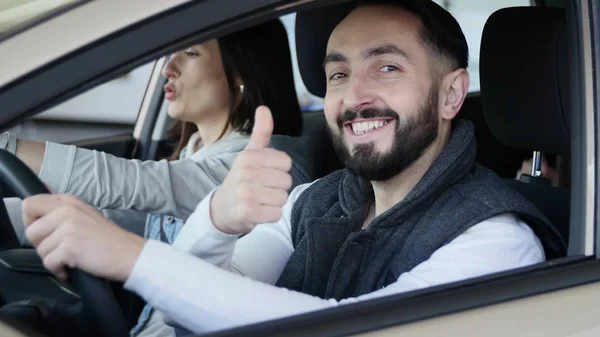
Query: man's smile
x,y
368,129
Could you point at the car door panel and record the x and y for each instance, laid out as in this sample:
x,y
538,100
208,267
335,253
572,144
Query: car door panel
x,y
571,312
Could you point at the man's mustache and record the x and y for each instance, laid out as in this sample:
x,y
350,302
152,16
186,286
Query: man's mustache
x,y
350,115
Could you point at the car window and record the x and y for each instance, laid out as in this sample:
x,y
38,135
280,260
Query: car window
x,y
308,101
106,110
18,14
471,14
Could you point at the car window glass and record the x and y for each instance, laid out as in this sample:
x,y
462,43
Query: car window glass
x,y
106,110
471,15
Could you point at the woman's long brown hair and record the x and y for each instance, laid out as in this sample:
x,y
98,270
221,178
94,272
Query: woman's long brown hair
x,y
259,58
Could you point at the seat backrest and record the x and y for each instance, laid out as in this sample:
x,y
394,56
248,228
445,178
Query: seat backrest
x,y
503,159
525,94
319,145
552,201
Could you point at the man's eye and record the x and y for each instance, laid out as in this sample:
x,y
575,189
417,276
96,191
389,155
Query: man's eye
x,y
337,76
387,69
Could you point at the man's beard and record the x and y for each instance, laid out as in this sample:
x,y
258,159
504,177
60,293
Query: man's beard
x,y
412,137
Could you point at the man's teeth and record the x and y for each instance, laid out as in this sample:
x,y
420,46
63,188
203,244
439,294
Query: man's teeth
x,y
360,128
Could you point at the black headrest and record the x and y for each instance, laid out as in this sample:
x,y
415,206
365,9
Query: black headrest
x,y
524,78
313,28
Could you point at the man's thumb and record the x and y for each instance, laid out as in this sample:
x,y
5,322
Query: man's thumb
x,y
263,128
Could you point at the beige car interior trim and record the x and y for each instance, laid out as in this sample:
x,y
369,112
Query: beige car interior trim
x,y
14,12
72,30
7,331
590,158
566,313
163,123
151,90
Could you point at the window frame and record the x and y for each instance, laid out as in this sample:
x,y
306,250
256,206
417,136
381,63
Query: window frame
x,y
429,303
594,23
149,111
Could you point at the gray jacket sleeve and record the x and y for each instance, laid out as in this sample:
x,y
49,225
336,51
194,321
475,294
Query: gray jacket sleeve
x,y
14,209
108,182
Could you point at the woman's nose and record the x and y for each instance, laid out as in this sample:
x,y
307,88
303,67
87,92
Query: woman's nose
x,y
170,69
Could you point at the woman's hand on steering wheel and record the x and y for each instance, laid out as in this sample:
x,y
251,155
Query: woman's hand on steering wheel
x,y
68,233
102,309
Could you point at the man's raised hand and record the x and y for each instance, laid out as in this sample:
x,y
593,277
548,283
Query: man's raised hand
x,y
257,186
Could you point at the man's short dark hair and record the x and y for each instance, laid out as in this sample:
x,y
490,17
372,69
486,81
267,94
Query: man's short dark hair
x,y
441,33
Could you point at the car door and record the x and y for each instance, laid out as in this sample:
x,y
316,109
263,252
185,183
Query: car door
x,y
554,298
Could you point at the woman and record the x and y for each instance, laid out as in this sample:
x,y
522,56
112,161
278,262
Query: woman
x,y
213,90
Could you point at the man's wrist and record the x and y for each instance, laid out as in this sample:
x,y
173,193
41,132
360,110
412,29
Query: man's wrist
x,y
135,244
214,213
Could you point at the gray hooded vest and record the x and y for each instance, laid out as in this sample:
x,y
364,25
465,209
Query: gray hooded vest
x,y
335,258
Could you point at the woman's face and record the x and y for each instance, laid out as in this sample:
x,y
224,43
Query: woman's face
x,y
197,88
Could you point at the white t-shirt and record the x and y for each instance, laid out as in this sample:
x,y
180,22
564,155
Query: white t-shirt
x,y
210,280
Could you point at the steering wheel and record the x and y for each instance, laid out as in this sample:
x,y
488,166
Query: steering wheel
x,y
99,302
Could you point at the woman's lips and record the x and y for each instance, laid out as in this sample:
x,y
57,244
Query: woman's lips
x,y
169,92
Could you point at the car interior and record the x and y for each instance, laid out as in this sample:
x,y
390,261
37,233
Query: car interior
x,y
509,105
524,109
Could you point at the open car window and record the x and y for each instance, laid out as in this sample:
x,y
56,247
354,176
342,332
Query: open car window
x,y
567,272
471,15
107,110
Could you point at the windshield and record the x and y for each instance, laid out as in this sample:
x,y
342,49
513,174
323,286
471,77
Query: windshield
x,y
18,14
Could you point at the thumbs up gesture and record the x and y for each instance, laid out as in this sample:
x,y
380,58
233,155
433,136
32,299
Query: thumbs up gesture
x,y
256,188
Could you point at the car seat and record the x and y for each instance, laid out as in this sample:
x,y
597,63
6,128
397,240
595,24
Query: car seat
x,y
524,76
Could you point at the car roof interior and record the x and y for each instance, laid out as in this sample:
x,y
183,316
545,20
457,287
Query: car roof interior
x,y
523,105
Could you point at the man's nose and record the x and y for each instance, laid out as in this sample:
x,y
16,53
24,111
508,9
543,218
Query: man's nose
x,y
359,94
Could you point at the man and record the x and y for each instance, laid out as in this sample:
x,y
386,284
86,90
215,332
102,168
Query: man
x,y
411,210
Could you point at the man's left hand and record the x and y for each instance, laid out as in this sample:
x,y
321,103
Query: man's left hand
x,y
68,233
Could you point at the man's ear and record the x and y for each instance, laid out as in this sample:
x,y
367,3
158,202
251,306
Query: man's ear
x,y
454,89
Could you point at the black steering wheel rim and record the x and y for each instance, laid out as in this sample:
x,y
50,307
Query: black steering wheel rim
x,y
98,299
